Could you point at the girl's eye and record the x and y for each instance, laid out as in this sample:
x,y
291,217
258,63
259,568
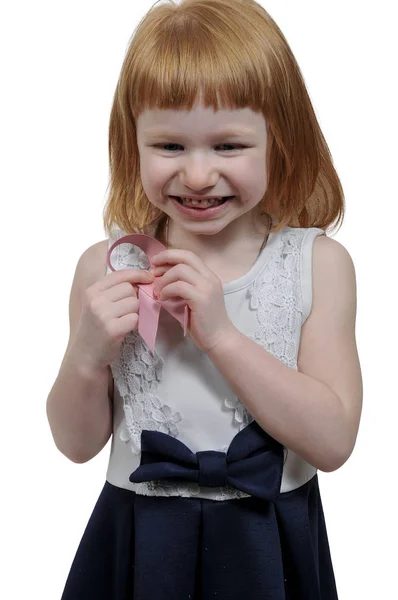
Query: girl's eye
x,y
163,146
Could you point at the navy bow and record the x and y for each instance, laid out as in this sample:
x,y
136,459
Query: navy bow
x,y
253,463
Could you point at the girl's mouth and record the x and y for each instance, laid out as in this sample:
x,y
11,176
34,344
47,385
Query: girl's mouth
x,y
198,211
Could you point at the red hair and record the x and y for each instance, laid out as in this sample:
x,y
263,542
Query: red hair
x,y
233,52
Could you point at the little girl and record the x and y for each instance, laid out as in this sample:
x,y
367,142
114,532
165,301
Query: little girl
x,y
213,331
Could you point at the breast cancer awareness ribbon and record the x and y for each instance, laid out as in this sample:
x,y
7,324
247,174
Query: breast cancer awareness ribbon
x,y
148,318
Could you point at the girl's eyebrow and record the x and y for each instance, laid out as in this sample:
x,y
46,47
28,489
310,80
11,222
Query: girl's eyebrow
x,y
230,132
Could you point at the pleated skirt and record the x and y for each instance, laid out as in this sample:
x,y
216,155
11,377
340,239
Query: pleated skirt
x,y
172,548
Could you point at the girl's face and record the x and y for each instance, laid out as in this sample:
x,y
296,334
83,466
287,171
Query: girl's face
x,y
204,153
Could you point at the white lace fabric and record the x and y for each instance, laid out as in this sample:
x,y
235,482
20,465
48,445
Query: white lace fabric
x,y
275,295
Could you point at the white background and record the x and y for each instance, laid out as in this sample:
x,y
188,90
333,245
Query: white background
x,y
60,64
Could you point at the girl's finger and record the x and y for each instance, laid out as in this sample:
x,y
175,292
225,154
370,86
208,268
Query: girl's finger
x,y
175,274
175,257
157,271
177,290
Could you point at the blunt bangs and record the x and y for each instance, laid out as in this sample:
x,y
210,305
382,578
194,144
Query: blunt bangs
x,y
197,58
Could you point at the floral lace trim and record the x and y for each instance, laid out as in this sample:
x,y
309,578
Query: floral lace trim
x,y
276,296
185,490
137,374
242,417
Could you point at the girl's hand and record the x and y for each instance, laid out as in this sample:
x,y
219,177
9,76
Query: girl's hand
x,y
184,275
109,312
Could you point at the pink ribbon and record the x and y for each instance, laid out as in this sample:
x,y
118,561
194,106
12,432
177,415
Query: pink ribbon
x,y
149,311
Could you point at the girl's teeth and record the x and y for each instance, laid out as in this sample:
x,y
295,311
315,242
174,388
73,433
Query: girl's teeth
x,y
212,202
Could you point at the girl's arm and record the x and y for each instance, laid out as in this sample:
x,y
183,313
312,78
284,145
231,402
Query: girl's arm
x,y
79,409
79,406
316,410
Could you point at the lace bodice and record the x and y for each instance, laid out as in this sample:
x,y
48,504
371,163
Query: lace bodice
x,y
267,305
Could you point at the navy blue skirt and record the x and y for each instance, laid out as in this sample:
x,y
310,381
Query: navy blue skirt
x,y
139,547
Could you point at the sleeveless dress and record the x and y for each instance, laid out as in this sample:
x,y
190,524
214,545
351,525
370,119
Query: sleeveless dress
x,y
199,502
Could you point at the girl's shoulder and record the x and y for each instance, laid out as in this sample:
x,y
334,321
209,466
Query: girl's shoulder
x,y
93,262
